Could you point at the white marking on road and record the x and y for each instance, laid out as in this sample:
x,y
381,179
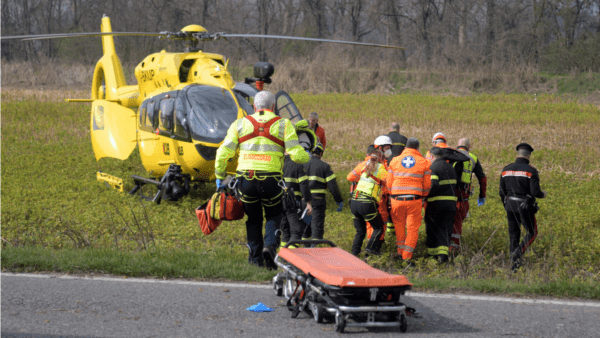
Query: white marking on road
x,y
262,286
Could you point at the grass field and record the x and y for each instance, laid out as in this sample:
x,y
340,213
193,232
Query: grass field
x,y
57,217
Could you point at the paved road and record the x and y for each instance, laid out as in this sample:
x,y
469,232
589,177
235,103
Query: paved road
x,y
36,306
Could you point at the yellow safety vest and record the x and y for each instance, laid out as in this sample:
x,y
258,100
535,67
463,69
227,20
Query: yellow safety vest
x,y
370,185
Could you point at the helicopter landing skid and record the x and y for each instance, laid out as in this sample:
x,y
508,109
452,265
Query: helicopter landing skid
x,y
173,184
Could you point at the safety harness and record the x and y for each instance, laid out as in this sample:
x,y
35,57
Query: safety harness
x,y
262,129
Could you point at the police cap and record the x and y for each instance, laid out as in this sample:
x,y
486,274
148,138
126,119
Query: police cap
x,y
524,146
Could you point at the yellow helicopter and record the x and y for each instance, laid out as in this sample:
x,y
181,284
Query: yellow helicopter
x,y
178,113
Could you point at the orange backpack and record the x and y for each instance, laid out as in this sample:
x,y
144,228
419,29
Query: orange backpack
x,y
207,223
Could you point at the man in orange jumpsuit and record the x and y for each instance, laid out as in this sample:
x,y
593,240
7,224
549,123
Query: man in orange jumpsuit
x,y
438,140
410,184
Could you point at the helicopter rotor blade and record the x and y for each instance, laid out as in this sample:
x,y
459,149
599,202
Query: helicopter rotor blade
x,y
75,35
225,35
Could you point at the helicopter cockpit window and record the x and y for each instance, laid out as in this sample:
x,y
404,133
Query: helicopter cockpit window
x,y
167,107
211,110
244,103
150,114
180,120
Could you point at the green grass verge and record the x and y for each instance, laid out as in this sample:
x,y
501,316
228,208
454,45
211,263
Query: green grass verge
x,y
57,217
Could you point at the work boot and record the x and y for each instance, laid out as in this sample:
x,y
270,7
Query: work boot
x,y
516,265
269,254
397,257
372,252
443,259
409,264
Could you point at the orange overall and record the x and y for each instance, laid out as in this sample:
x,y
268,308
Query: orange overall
x,y
410,184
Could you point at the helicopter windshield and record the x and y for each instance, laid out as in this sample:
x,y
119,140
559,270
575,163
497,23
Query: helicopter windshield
x,y
211,111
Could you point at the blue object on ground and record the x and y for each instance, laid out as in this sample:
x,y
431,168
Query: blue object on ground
x,y
260,307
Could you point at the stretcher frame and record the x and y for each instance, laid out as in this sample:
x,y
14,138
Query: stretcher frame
x,y
365,306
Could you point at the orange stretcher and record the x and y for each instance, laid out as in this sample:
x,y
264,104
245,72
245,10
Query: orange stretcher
x,y
332,283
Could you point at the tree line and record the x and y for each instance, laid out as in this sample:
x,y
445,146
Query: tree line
x,y
550,35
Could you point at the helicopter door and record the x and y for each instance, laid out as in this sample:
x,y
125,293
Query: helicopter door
x,y
157,148
113,130
286,108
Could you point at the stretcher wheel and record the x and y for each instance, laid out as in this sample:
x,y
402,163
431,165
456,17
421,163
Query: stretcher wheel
x,y
403,323
317,310
278,289
340,323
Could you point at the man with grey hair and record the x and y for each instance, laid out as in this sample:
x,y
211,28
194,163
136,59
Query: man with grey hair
x,y
262,140
313,121
519,187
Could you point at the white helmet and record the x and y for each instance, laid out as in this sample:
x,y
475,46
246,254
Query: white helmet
x,y
383,141
264,100
438,136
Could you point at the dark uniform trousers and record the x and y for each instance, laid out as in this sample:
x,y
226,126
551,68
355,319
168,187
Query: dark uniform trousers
x,y
257,193
364,211
517,216
439,219
292,227
316,229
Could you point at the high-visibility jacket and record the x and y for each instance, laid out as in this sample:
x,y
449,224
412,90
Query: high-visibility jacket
x,y
429,157
443,183
473,166
410,174
369,186
354,177
261,138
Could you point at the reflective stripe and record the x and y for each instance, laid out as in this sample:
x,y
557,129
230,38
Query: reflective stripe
x,y
261,147
298,193
291,144
399,174
447,182
318,191
467,171
456,236
399,144
240,126
407,188
282,130
442,198
332,177
302,179
316,178
435,177
427,172
354,173
409,248
440,250
291,180
515,173
230,145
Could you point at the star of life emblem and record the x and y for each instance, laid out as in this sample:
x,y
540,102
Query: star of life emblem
x,y
408,162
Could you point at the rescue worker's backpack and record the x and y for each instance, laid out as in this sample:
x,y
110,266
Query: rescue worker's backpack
x,y
225,206
207,223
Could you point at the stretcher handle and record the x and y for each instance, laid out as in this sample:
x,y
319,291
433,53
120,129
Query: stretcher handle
x,y
311,241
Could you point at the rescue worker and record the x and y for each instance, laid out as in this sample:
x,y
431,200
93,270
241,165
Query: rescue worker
x,y
398,145
519,187
320,178
409,185
371,177
441,206
464,190
262,139
296,180
313,120
438,140
385,144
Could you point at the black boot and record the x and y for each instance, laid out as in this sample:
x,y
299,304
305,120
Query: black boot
x,y
443,259
269,254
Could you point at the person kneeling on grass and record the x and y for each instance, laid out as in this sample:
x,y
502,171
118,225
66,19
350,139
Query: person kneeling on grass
x,y
371,177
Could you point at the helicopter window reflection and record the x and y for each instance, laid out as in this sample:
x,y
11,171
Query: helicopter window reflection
x,y
150,113
166,114
210,112
180,120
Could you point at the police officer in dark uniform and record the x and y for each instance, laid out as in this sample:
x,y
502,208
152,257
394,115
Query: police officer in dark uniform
x,y
441,206
519,187
320,179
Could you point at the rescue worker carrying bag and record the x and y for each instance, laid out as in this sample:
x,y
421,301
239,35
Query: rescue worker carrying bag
x,y
226,206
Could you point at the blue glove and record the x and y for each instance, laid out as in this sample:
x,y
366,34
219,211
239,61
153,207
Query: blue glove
x,y
480,201
341,205
219,183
